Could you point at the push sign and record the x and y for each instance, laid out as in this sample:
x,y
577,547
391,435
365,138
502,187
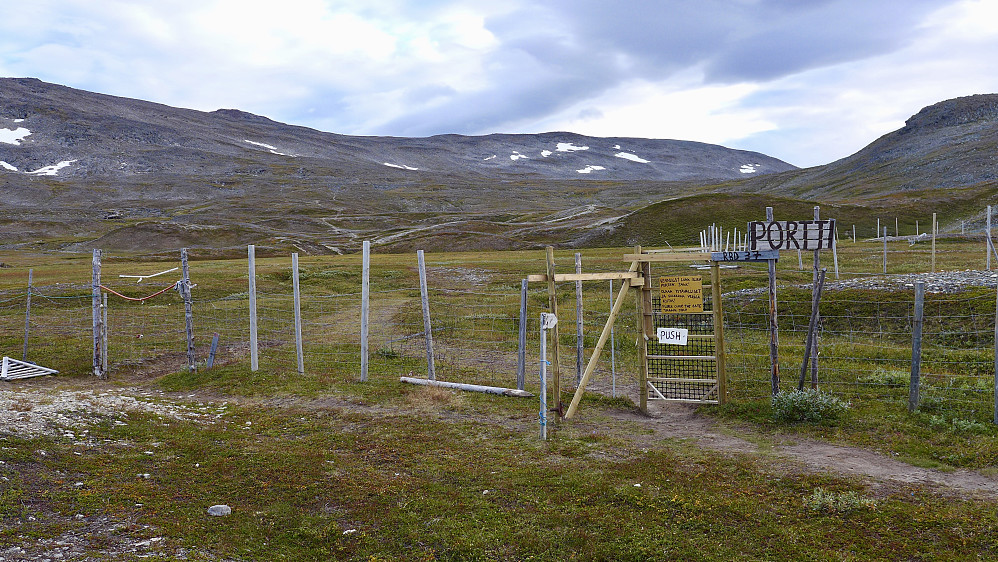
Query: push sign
x,y
674,336
791,235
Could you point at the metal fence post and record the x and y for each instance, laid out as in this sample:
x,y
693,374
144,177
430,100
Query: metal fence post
x,y
297,298
254,355
521,356
365,307
916,346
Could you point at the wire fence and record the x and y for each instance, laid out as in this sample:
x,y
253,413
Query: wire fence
x,y
865,339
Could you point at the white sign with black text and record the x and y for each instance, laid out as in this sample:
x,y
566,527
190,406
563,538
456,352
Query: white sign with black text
x,y
673,336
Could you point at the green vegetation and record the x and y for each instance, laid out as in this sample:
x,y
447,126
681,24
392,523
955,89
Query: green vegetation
x,y
321,466
807,405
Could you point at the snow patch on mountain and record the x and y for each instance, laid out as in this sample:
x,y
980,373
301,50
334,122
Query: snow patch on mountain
x,y
590,169
272,149
401,166
749,168
493,157
569,147
13,136
631,157
7,166
546,153
52,170
516,156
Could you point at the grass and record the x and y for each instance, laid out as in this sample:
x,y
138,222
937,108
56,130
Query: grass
x,y
321,466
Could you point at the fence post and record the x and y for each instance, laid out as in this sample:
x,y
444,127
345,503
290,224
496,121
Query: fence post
x,y
578,321
104,331
27,318
987,232
935,230
774,335
296,287
885,250
996,358
431,372
521,356
185,291
916,346
365,308
211,352
254,356
548,321
555,353
816,289
98,319
613,352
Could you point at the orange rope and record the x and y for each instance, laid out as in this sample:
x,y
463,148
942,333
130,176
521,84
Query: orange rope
x,y
141,299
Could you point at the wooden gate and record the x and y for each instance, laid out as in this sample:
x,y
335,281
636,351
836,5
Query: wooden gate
x,y
691,371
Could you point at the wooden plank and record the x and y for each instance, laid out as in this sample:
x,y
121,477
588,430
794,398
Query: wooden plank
x,y
569,277
698,256
676,357
681,380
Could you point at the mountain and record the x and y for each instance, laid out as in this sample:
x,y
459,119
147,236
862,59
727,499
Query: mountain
x,y
950,144
81,169
100,136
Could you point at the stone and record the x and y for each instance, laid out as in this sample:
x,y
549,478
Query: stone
x,y
219,510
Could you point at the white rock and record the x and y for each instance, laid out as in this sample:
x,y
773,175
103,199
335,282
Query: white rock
x,y
219,510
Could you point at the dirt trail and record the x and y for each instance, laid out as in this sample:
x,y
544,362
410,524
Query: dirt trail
x,y
680,421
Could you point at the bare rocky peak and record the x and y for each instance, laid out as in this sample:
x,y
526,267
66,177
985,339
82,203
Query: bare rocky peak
x,y
957,111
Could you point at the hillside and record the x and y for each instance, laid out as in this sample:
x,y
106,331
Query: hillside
x,y
79,169
950,144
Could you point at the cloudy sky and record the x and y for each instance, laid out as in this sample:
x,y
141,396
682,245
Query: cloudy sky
x,y
807,81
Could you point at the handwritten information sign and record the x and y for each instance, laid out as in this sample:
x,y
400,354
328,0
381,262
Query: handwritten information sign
x,y
681,294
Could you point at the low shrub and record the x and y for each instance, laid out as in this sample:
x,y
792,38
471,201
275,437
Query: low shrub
x,y
837,503
808,405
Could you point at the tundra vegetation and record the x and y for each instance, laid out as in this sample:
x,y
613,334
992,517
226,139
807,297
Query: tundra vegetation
x,y
321,466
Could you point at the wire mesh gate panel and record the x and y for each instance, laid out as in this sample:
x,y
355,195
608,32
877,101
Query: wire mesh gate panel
x,y
684,373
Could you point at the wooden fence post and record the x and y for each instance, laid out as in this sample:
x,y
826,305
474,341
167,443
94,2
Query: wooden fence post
x,y
185,291
254,355
996,358
613,351
98,319
916,346
365,308
521,356
431,372
27,318
718,310
885,250
297,291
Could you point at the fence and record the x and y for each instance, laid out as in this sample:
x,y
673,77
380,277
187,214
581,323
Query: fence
x,y
865,339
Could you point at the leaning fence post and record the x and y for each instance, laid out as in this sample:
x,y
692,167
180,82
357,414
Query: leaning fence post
x,y
296,288
185,291
97,318
254,356
916,345
431,372
365,307
521,356
27,318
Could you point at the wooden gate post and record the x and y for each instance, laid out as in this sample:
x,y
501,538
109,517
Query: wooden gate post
x,y
645,327
774,335
185,292
718,310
